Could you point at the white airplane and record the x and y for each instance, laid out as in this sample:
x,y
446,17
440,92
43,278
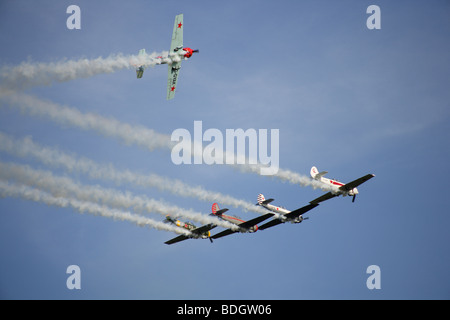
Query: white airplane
x,y
283,215
348,189
249,226
177,54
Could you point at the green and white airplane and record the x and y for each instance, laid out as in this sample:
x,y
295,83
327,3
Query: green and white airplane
x,y
202,232
176,55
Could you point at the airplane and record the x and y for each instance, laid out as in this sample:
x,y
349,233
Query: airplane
x,y
176,54
284,215
202,232
243,226
348,189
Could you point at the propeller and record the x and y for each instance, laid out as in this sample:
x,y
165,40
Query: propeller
x,y
354,197
210,239
196,50
301,219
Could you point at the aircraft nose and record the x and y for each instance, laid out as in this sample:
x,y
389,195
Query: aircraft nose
x,y
355,191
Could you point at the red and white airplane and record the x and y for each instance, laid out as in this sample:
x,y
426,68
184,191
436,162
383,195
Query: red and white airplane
x,y
243,226
282,214
176,54
348,189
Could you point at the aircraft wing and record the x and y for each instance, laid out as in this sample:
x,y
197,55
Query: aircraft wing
x,y
250,223
204,228
175,45
296,213
177,239
291,215
172,78
245,225
349,186
346,187
223,234
177,34
271,223
326,196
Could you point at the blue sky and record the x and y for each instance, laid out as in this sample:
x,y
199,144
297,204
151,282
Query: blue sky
x,y
346,99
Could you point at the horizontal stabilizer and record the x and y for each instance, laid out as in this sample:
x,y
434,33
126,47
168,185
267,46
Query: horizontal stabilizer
x,y
321,174
267,201
221,211
315,174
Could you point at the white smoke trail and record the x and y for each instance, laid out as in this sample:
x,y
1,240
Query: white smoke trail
x,y
29,74
55,158
129,134
66,187
8,189
111,127
288,176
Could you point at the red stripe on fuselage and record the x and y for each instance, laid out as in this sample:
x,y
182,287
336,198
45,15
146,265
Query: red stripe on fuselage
x,y
232,218
336,183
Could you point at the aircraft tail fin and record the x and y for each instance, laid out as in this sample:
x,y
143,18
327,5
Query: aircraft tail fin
x,y
140,69
262,200
216,210
315,174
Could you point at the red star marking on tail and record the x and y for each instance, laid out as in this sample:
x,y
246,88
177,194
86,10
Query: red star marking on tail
x,y
179,25
172,89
